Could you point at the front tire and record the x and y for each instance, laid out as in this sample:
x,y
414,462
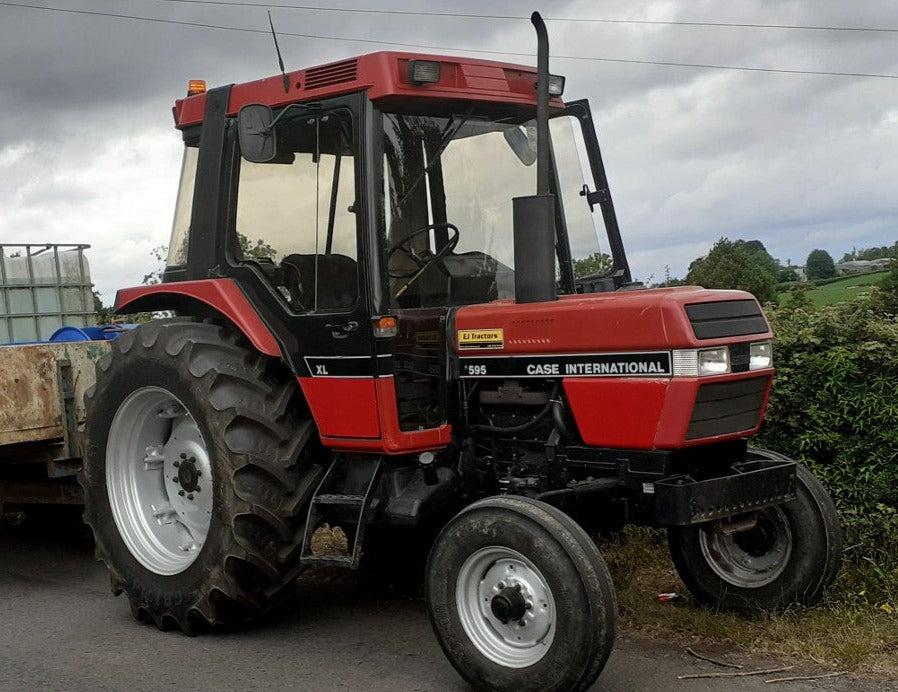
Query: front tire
x,y
197,475
520,598
790,556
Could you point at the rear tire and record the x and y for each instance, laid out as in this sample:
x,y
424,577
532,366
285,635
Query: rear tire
x,y
790,557
504,561
197,475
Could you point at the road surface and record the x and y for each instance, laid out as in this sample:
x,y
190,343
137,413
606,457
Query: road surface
x,y
61,629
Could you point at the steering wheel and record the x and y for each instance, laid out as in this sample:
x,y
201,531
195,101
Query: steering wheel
x,y
423,259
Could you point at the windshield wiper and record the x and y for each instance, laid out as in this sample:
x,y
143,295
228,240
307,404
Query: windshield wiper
x,y
446,136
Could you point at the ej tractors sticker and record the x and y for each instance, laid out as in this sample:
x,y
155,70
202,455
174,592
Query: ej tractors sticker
x,y
480,338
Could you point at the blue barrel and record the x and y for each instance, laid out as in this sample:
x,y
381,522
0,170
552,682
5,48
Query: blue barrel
x,y
106,333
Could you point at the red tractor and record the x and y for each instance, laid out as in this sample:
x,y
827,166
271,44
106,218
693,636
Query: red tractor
x,y
379,327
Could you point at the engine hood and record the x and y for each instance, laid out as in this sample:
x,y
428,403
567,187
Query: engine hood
x,y
680,317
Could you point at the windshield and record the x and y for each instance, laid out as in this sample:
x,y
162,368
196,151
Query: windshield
x,y
449,183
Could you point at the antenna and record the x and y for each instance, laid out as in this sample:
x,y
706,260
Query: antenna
x,y
280,59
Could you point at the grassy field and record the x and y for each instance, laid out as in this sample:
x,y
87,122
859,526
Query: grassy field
x,y
839,291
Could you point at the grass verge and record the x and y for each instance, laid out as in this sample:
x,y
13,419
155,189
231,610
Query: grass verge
x,y
842,632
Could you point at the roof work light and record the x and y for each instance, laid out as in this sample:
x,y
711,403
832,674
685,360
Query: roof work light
x,y
423,71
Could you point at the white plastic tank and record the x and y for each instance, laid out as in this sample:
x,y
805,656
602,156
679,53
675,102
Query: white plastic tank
x,y
43,288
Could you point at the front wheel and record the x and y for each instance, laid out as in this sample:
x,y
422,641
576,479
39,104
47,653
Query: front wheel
x,y
520,598
786,554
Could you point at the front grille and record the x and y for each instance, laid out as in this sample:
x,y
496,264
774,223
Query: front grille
x,y
328,75
726,318
723,408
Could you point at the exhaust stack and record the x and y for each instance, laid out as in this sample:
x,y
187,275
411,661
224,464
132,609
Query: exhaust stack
x,y
534,216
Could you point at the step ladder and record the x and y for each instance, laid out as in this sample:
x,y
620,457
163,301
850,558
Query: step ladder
x,y
328,505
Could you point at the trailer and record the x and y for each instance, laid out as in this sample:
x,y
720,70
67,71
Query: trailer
x,y
47,362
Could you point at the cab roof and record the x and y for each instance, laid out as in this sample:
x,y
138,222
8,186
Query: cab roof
x,y
384,75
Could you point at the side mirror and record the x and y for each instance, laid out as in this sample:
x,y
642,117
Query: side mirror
x,y
255,130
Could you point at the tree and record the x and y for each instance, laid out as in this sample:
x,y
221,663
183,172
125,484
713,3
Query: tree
x,y
598,263
743,265
104,312
763,258
159,254
787,274
258,250
670,279
246,249
820,265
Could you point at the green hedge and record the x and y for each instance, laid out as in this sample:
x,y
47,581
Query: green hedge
x,y
835,406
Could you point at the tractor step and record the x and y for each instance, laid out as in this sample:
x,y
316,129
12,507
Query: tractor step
x,y
329,505
328,560
341,500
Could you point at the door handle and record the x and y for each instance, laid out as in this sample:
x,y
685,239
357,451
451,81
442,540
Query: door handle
x,y
340,330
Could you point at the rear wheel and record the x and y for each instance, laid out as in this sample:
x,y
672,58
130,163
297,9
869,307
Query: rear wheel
x,y
197,475
786,554
520,598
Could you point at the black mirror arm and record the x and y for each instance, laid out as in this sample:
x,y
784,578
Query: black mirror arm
x,y
293,106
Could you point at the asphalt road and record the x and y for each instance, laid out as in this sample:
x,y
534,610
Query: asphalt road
x,y
61,629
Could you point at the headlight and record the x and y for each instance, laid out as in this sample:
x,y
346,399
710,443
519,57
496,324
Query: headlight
x,y
714,361
760,355
692,362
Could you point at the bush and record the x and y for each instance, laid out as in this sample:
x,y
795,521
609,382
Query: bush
x,y
835,405
738,264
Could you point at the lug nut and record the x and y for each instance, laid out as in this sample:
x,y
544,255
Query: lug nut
x,y
183,455
181,493
500,585
190,497
176,464
521,623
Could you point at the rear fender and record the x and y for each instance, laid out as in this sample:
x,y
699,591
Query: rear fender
x,y
204,298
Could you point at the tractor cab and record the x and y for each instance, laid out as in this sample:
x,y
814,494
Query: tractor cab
x,y
357,223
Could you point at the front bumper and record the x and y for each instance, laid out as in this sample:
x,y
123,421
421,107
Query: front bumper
x,y
671,488
681,500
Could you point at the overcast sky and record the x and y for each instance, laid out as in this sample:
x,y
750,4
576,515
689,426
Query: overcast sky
x,y
88,153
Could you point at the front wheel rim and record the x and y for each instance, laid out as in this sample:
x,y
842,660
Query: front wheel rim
x,y
752,558
495,584
159,480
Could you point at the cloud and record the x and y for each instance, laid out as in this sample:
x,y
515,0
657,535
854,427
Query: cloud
x,y
88,154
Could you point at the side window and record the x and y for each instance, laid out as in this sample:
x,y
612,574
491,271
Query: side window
x,y
295,215
177,246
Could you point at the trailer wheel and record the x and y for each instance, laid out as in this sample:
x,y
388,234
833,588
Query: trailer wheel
x,y
520,598
197,475
791,555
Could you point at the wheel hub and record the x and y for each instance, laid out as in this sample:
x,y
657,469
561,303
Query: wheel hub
x,y
188,473
752,558
506,606
509,604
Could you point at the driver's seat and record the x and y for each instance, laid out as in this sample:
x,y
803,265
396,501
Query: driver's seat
x,y
338,285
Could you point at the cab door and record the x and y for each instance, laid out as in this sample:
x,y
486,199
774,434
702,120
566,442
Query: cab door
x,y
297,249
